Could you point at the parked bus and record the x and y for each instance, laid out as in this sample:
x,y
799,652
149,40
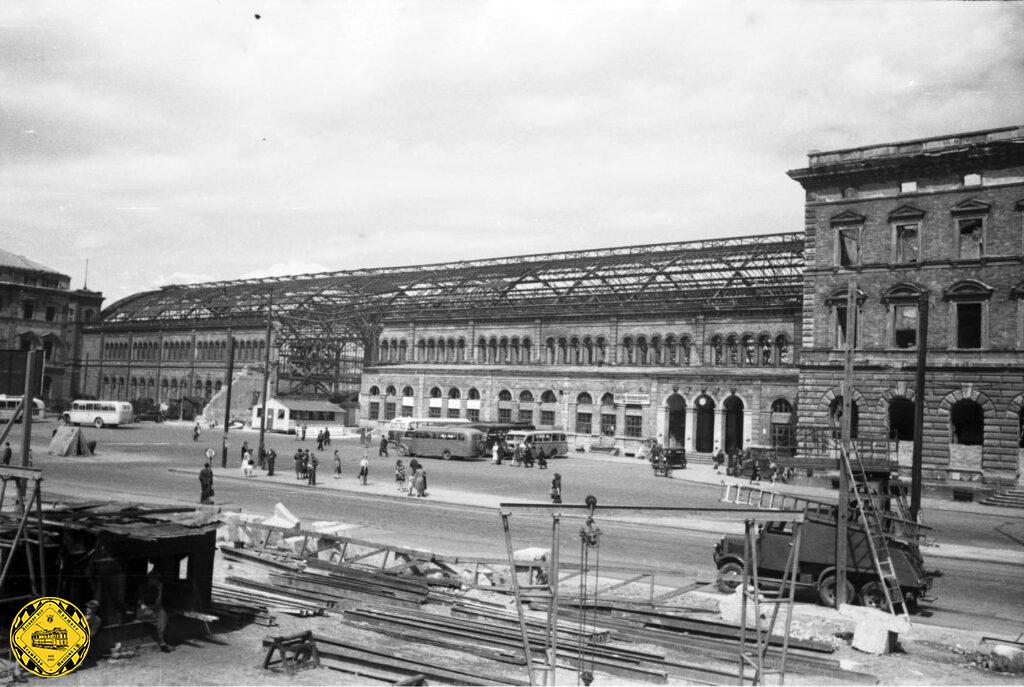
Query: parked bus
x,y
396,429
99,413
8,404
496,431
445,442
550,444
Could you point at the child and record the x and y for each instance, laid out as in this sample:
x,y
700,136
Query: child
x,y
400,475
337,465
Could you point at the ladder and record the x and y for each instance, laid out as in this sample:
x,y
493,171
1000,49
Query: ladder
x,y
757,497
870,519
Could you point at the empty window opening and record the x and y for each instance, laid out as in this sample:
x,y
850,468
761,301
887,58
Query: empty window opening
x,y
972,180
968,325
901,419
840,329
908,186
849,247
905,326
967,423
835,416
969,237
907,245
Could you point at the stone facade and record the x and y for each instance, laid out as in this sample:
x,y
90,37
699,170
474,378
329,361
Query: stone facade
x,y
38,309
697,381
938,222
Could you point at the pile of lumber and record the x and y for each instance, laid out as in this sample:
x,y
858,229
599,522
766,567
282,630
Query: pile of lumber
x,y
242,599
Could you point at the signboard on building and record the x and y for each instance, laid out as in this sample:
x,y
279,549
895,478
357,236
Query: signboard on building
x,y
634,399
12,372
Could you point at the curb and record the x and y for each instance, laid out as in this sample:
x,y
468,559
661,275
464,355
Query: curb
x,y
951,551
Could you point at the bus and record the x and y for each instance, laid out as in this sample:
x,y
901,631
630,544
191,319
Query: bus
x,y
9,404
495,432
99,413
446,442
547,443
396,429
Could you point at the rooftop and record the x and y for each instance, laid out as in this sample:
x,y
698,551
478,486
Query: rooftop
x,y
917,146
8,259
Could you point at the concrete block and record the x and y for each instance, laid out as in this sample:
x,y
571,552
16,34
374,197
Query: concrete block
x,y
1007,659
877,632
730,609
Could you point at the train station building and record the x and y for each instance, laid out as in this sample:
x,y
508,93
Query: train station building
x,y
706,344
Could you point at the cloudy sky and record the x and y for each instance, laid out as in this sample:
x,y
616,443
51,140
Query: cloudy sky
x,y
181,141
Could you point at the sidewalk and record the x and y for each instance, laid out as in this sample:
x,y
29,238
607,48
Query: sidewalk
x,y
385,487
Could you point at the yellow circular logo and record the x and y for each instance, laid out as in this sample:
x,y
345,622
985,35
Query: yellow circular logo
x,y
50,637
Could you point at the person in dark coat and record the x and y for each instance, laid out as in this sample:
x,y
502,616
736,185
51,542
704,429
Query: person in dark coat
x,y
271,459
314,463
206,484
5,457
383,446
556,489
327,437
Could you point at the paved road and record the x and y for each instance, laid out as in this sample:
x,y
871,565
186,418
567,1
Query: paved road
x,y
134,463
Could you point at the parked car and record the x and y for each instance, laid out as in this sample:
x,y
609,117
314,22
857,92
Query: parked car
x,y
153,415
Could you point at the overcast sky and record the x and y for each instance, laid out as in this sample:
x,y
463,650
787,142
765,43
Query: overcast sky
x,y
179,141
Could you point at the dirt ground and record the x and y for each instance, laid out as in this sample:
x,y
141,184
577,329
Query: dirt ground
x,y
929,656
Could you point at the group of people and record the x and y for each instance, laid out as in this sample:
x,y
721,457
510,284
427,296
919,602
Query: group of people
x,y
323,438
412,480
306,464
523,455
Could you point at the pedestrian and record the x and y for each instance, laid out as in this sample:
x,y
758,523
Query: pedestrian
x,y
5,457
303,431
206,484
718,459
420,482
261,460
327,437
517,455
364,469
495,454
528,456
337,465
755,472
542,461
400,474
556,489
298,464
195,432
314,463
245,449
414,466
773,471
305,464
383,446
320,440
271,459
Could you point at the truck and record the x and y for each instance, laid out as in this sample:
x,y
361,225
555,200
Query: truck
x,y
816,570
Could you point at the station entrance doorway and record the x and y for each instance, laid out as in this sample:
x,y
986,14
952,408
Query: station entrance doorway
x,y
675,436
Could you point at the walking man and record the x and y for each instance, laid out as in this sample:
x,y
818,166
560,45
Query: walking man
x,y
206,484
5,457
337,465
327,437
556,489
195,432
271,459
314,463
383,446
364,469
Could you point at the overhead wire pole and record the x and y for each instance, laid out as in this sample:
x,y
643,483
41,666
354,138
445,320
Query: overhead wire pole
x,y
922,361
553,574
28,408
227,398
266,375
843,512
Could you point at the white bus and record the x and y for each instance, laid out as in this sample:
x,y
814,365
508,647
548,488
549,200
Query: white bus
x,y
396,428
8,404
99,413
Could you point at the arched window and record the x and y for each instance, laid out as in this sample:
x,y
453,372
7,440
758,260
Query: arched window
x,y
454,393
785,355
435,392
781,405
563,351
732,346
374,391
835,416
548,397
749,350
642,351
764,350
525,397
549,350
901,419
473,394
407,391
717,350
390,391
656,351
628,352
686,343
504,395
969,305
584,399
608,399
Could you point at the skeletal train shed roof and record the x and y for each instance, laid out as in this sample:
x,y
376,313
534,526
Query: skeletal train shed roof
x,y
762,272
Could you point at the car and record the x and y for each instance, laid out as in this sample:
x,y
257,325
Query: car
x,y
154,415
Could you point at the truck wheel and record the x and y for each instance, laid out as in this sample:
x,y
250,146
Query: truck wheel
x,y
730,576
98,423
827,590
872,596
447,455
403,450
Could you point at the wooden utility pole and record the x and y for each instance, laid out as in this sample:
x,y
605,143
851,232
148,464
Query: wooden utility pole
x,y
28,407
227,399
922,361
843,520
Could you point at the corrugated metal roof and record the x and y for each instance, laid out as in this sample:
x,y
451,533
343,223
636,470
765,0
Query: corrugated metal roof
x,y
8,259
304,404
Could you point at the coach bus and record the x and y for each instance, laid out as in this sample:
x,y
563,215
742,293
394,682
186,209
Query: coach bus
x,y
495,432
9,404
99,413
445,442
396,429
547,443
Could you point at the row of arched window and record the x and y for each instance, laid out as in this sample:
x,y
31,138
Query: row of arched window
x,y
524,396
245,350
145,387
735,350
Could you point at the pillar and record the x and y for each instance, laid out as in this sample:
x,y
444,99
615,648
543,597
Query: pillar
x,y
719,427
